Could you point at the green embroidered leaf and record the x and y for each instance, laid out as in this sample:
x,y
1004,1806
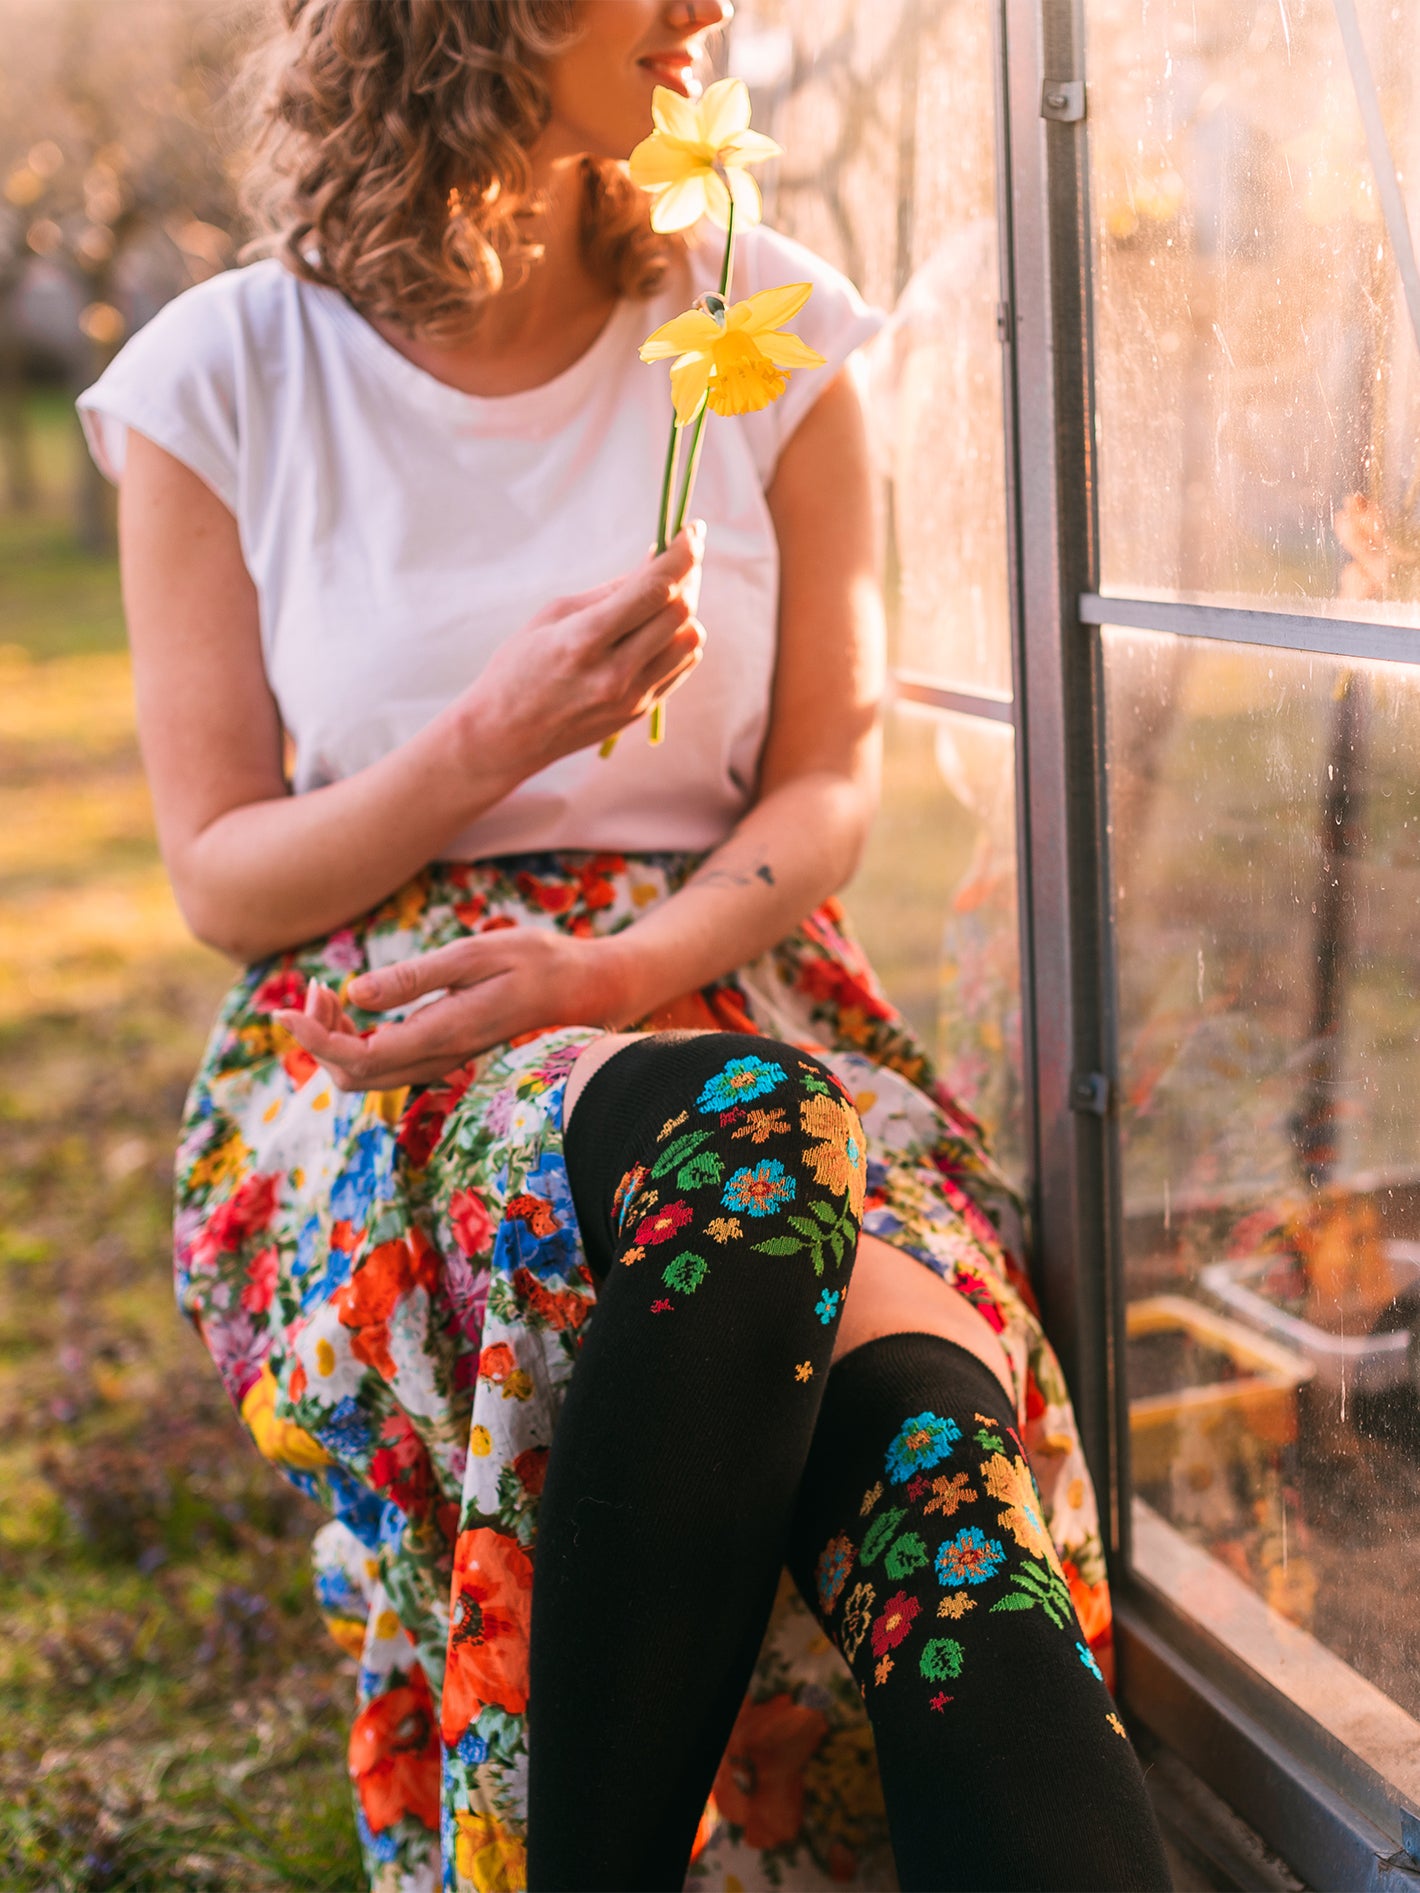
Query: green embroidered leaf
x,y
804,1227
825,1212
779,1245
836,1243
685,1272
813,1083
909,1554
677,1150
941,1659
881,1533
1018,1600
988,1441
704,1167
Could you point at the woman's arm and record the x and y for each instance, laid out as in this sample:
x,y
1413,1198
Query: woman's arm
x,y
799,842
256,869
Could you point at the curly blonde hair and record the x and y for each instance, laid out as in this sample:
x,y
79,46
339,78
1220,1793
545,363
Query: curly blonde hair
x,y
391,156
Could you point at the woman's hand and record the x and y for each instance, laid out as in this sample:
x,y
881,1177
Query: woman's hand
x,y
588,665
494,986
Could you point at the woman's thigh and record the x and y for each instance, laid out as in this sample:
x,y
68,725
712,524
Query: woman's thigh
x,y
889,1293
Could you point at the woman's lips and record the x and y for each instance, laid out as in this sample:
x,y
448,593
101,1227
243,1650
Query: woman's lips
x,y
672,70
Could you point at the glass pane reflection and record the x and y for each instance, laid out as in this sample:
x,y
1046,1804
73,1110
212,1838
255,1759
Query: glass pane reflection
x,y
1265,834
935,905
1258,375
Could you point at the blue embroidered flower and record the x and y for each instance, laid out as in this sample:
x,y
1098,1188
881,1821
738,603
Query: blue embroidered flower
x,y
826,1307
741,1080
969,1558
760,1188
1083,1651
924,1441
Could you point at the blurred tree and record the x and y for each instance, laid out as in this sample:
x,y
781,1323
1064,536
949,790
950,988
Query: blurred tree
x,y
114,156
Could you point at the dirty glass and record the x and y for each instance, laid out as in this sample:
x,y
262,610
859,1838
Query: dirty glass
x,y
1257,365
1264,811
886,114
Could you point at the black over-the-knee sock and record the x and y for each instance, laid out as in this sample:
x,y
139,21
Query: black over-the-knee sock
x,y
718,1180
919,1543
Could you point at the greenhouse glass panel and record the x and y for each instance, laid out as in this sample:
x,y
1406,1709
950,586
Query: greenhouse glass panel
x,y
1264,813
1255,183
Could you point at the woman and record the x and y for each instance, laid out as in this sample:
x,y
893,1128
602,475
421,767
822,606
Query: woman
x,y
385,497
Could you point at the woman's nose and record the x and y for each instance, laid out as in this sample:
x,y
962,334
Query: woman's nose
x,y
698,16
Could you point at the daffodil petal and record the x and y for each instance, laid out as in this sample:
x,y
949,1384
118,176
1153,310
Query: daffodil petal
x,y
717,199
748,147
769,309
694,329
749,205
690,377
723,111
657,161
675,116
681,205
787,351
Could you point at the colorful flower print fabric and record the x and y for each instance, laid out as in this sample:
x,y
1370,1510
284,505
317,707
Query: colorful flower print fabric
x,y
392,1288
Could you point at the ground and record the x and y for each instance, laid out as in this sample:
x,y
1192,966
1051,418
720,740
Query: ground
x,y
174,1714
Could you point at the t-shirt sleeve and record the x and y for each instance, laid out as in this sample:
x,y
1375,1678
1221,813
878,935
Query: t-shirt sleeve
x,y
175,381
835,320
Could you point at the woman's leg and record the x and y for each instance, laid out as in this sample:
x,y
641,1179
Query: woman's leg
x,y
919,1543
718,1180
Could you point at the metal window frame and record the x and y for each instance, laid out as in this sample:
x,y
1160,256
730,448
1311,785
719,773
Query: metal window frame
x,y
1332,1820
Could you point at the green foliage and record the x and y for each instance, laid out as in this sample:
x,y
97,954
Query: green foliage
x,y
175,1716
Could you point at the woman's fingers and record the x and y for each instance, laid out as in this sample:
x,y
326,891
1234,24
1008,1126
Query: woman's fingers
x,y
461,963
673,664
646,593
436,1040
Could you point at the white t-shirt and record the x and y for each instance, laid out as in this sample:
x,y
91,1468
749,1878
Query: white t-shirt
x,y
398,531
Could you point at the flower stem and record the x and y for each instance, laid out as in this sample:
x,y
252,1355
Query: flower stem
x,y
663,517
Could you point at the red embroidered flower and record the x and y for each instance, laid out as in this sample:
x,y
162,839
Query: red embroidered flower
x,y
488,1629
394,1756
664,1223
897,1618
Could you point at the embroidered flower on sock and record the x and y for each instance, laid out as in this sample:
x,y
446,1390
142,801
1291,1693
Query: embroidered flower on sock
x,y
839,1162
895,1621
1011,1483
760,1126
955,1604
665,1223
882,1670
804,1371
633,1254
741,1080
724,1228
826,1307
685,1272
940,1700
948,1494
1086,1657
857,1616
870,1499
671,1124
969,1558
923,1441
1118,1727
662,1307
835,1562
625,1192
941,1660
759,1189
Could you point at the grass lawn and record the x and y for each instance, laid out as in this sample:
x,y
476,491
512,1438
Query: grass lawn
x,y
174,1714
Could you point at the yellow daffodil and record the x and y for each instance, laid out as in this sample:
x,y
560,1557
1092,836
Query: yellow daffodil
x,y
694,161
733,358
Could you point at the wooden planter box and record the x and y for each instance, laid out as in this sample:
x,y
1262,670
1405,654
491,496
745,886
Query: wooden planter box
x,y
1259,1399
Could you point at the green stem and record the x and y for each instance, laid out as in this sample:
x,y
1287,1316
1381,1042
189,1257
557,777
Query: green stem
x,y
663,515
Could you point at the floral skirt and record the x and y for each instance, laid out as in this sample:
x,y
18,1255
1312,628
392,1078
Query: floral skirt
x,y
392,1287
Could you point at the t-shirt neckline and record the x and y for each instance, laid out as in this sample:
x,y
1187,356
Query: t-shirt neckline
x,y
499,412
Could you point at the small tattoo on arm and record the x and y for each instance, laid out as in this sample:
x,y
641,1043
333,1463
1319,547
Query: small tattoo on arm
x,y
765,873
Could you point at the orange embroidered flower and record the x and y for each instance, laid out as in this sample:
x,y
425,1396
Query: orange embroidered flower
x,y
949,1493
394,1756
762,1125
840,1161
488,1629
1009,1482
760,1786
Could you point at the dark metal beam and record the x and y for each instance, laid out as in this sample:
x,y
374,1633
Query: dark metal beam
x,y
907,687
1278,630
